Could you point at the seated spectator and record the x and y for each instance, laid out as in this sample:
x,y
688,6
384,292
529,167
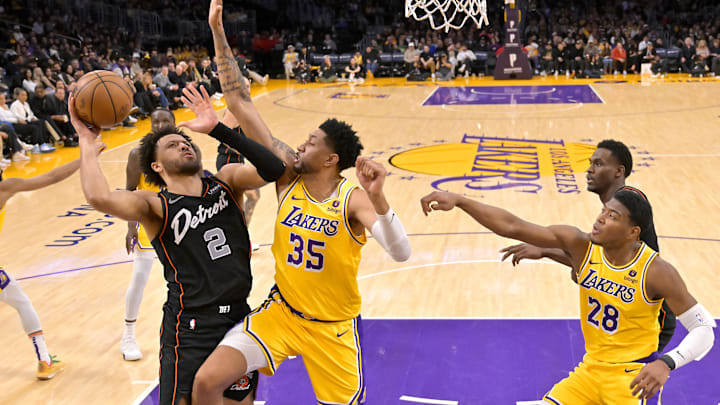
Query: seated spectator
x,y
715,57
619,56
61,117
577,61
702,54
372,56
21,108
466,61
45,107
561,57
417,72
327,72
533,52
12,148
427,60
592,56
30,134
547,64
605,56
444,68
353,70
302,72
29,83
290,58
409,55
39,77
171,90
687,55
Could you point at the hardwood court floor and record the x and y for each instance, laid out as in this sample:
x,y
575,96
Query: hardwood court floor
x,y
71,261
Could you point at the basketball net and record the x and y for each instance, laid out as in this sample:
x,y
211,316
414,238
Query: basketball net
x,y
446,14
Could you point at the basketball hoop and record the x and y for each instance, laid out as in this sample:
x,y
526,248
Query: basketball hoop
x,y
446,14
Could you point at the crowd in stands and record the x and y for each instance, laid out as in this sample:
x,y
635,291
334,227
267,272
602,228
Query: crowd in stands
x,y
44,53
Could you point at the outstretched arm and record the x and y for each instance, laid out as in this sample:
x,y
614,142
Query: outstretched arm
x,y
503,223
236,89
126,205
240,177
14,185
525,251
663,281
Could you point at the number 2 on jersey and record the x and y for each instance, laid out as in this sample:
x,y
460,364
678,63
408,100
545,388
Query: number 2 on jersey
x,y
216,240
315,260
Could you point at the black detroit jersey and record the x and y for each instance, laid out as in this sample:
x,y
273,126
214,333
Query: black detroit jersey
x,y
204,247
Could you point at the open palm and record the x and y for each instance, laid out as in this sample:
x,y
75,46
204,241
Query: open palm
x,y
199,102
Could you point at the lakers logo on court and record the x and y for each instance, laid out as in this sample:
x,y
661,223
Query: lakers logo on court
x,y
482,163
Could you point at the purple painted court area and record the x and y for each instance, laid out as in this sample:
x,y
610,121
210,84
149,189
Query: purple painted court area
x,y
475,362
465,95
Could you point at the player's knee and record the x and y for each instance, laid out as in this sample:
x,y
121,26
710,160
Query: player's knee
x,y
205,384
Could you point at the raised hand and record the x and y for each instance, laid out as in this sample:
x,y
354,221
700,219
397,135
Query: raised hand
x,y
439,200
199,102
371,174
85,134
215,16
521,251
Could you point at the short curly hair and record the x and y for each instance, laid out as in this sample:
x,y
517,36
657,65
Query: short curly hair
x,y
148,147
342,139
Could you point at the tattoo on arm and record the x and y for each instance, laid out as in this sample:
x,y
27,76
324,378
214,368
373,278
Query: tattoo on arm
x,y
228,70
281,148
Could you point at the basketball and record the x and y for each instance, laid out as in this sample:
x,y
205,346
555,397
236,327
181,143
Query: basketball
x,y
103,98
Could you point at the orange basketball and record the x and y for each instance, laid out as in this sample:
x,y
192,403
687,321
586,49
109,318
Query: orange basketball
x,y
103,98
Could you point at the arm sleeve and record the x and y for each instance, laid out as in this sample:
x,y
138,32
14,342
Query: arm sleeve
x,y
268,166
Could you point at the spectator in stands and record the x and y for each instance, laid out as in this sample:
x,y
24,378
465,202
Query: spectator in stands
x,y
410,54
21,108
561,56
12,148
702,54
634,57
302,72
605,56
715,57
372,57
61,117
533,52
687,55
592,56
329,45
39,77
444,68
304,55
327,72
67,75
466,61
30,134
289,60
29,83
619,56
427,59
547,64
45,107
353,71
171,90
577,61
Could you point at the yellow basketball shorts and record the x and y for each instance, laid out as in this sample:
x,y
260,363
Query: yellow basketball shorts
x,y
4,279
143,242
331,350
594,382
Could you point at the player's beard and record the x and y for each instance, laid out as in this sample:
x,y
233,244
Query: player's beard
x,y
189,168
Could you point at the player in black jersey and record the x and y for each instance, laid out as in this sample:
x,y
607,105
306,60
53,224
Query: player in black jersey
x,y
197,228
610,165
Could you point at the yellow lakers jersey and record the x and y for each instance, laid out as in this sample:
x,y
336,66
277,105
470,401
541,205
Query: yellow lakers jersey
x,y
2,217
143,239
618,318
316,253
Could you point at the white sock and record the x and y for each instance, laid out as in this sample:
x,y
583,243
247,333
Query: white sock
x,y
38,340
129,328
142,264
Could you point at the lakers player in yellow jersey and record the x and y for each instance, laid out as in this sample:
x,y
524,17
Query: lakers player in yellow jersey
x,y
137,242
314,309
622,283
10,291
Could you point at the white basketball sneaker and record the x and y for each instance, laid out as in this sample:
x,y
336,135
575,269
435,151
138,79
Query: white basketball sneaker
x,y
130,349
